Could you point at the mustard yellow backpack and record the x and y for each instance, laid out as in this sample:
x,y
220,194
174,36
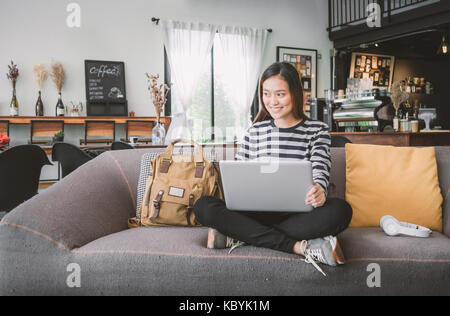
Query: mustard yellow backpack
x,y
176,183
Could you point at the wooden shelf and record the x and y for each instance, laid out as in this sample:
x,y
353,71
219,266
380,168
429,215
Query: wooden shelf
x,y
79,119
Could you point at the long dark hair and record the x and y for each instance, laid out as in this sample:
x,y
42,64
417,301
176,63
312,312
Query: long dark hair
x,y
292,77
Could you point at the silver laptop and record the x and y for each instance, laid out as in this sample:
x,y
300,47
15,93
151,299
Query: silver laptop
x,y
277,186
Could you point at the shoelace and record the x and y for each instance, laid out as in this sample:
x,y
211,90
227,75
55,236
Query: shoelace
x,y
235,244
311,256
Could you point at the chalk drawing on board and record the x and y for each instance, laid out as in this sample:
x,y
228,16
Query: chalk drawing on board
x,y
115,93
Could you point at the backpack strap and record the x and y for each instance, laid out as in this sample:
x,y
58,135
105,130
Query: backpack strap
x,y
157,204
189,209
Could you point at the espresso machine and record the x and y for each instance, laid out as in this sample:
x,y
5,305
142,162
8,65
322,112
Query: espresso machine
x,y
369,111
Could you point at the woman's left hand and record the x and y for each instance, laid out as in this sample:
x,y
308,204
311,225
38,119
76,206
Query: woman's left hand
x,y
316,196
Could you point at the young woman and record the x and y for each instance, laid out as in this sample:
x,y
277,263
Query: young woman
x,y
306,234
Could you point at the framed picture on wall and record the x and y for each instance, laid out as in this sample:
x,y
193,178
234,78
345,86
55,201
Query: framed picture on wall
x,y
380,68
305,61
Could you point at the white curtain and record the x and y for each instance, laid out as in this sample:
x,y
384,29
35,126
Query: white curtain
x,y
187,45
241,49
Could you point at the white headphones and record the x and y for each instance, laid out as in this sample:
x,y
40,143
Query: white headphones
x,y
393,227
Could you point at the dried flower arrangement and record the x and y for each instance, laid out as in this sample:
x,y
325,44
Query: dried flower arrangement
x,y
399,94
156,92
13,74
41,74
58,76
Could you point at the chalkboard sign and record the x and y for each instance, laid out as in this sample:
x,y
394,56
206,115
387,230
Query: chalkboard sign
x,y
105,88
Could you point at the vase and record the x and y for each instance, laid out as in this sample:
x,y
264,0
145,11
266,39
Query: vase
x,y
158,134
14,105
39,106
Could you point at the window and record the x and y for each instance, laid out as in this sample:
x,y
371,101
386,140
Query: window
x,y
211,115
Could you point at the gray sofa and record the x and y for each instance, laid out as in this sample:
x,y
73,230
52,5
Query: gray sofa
x,y
82,220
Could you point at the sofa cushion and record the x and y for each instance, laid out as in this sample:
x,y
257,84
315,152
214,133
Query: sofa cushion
x,y
141,261
398,181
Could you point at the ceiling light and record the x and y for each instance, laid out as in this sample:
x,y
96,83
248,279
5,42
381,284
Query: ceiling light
x,y
443,49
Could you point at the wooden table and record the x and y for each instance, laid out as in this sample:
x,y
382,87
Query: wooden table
x,y
400,139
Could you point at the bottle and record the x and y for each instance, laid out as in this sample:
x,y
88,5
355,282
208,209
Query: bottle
x,y
395,121
59,106
14,105
39,106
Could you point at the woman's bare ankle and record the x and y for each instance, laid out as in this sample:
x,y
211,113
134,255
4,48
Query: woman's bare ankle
x,y
300,247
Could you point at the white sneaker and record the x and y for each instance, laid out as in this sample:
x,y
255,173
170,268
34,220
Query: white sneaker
x,y
217,240
324,250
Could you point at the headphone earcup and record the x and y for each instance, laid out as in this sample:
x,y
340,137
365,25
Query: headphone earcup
x,y
390,228
390,225
384,218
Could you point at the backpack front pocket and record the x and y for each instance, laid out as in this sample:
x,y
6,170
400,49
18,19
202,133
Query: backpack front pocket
x,y
171,204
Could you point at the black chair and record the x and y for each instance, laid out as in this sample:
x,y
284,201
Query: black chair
x,y
69,156
121,146
20,170
339,141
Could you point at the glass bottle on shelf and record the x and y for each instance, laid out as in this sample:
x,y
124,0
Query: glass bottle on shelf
x,y
158,133
395,122
14,105
39,106
60,106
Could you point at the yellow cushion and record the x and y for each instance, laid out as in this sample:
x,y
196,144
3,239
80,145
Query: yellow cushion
x,y
398,181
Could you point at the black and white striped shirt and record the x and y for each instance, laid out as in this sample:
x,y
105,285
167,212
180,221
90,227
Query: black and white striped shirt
x,y
308,140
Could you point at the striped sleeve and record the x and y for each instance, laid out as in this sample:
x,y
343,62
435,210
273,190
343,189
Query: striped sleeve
x,y
320,158
243,152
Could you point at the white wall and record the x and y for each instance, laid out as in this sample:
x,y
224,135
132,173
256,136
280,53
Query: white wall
x,y
34,32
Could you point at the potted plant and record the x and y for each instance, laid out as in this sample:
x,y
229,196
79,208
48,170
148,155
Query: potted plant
x,y
58,137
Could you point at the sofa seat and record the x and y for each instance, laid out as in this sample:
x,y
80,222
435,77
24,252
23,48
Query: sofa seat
x,y
145,261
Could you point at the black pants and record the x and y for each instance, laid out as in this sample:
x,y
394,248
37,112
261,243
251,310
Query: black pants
x,y
279,231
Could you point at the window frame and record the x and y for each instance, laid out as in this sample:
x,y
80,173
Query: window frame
x,y
168,78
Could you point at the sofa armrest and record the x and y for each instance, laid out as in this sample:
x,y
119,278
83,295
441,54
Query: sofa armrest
x,y
446,214
443,163
93,201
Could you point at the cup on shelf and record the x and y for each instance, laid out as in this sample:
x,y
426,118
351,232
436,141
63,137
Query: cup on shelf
x,y
414,126
405,125
133,140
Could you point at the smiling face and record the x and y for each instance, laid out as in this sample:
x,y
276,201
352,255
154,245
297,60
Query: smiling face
x,y
277,99
281,95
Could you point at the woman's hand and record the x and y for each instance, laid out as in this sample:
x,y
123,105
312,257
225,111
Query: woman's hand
x,y
316,196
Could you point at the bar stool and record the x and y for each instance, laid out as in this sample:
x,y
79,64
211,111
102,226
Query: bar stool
x,y
4,127
99,132
140,129
42,132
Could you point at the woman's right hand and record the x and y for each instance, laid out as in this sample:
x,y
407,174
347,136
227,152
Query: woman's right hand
x,y
316,196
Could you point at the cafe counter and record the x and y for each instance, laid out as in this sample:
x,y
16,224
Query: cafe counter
x,y
401,139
